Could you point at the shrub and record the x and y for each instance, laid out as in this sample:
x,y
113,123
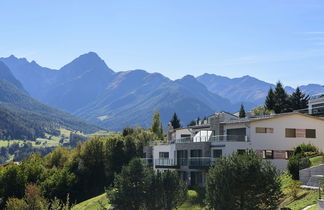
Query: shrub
x,y
243,182
306,150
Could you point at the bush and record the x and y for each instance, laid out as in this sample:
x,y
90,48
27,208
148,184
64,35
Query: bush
x,y
306,150
300,159
297,163
201,195
293,167
243,182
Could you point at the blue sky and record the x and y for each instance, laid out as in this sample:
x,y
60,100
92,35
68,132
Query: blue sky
x,y
268,39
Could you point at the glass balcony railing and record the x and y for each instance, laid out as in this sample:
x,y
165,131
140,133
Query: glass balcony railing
x,y
191,162
218,138
201,161
166,162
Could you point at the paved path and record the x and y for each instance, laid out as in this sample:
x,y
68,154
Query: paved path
x,y
308,207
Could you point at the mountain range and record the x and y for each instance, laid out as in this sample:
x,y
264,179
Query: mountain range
x,y
87,88
23,117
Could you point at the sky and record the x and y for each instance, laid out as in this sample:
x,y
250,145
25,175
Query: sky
x,y
268,39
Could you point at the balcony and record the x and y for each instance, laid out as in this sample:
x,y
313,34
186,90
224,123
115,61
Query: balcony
x,y
201,162
218,138
166,163
193,162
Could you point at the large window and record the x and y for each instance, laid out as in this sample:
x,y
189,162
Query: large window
x,y
196,153
182,156
263,130
217,153
290,132
196,178
163,155
236,132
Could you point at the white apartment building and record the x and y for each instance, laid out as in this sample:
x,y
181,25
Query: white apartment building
x,y
192,150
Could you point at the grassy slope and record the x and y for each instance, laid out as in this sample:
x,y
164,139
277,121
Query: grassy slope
x,y
93,203
304,197
317,160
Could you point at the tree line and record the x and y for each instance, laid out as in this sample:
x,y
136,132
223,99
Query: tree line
x,y
81,172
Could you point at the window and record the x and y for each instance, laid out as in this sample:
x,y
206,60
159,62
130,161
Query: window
x,y
263,130
182,156
289,154
241,151
310,133
300,133
196,178
236,132
268,154
183,175
196,153
163,155
290,132
185,136
217,153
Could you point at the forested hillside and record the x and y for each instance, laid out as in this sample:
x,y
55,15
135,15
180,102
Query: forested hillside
x,y
23,117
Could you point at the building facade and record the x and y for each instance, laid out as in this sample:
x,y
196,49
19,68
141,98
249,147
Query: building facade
x,y
191,151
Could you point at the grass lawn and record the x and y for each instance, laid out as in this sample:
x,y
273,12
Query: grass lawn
x,y
317,160
93,203
303,198
190,203
315,207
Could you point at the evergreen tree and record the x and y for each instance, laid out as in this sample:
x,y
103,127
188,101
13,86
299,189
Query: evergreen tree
x,y
192,123
243,181
175,122
198,119
281,100
298,100
270,100
157,125
242,112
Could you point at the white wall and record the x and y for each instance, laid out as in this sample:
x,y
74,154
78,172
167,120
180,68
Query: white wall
x,y
229,147
277,139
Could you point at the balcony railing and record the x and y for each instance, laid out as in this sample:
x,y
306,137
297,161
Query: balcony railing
x,y
201,162
194,162
218,138
166,162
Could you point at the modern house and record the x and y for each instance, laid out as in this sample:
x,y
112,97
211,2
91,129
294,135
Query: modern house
x,y
192,150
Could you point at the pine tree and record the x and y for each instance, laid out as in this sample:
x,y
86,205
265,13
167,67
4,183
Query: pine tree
x,y
270,100
281,100
242,112
298,100
157,125
175,122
